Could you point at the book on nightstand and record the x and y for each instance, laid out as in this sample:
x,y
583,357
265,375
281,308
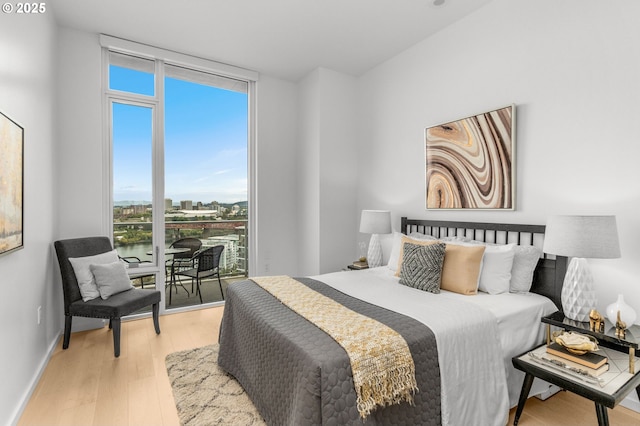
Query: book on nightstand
x,y
590,359
593,371
359,265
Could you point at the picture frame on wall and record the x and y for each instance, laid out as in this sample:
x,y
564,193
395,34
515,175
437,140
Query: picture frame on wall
x,y
11,185
470,162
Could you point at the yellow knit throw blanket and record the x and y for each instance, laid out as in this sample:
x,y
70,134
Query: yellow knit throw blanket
x,y
381,363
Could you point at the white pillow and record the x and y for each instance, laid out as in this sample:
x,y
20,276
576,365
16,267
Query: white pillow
x,y
495,277
524,263
458,239
394,257
81,267
111,278
421,237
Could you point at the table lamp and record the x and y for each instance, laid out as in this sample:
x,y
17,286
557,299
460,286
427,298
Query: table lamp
x,y
581,237
375,222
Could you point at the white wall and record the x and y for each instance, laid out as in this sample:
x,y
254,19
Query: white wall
x,y
571,67
27,93
327,171
80,161
308,173
339,170
276,180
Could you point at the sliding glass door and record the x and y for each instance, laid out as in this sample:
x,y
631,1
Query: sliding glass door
x,y
205,182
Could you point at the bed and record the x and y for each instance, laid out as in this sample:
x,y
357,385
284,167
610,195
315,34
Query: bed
x,y
461,344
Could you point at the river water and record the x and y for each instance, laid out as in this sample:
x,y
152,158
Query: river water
x,y
139,250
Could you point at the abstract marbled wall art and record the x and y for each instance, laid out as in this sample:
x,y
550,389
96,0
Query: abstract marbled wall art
x,y
11,175
470,162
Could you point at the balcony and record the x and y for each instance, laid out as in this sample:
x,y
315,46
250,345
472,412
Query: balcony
x,y
133,239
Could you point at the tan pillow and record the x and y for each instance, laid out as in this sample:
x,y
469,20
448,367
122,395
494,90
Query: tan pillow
x,y
410,240
461,269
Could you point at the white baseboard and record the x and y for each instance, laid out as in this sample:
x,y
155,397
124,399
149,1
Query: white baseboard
x,y
17,413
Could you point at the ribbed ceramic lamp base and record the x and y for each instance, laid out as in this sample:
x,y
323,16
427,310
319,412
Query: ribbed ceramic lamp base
x,y
374,255
578,297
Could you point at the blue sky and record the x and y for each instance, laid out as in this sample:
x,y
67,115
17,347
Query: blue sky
x,y
205,141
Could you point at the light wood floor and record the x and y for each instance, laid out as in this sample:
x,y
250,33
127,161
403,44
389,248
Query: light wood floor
x,y
85,385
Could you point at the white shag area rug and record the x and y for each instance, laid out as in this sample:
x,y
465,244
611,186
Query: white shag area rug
x,y
205,394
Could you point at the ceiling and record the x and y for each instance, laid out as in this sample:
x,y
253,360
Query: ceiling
x,y
281,38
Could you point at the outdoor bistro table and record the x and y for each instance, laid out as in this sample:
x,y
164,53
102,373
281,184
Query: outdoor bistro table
x,y
170,251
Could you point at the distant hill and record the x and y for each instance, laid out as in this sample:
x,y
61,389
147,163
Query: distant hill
x,y
126,203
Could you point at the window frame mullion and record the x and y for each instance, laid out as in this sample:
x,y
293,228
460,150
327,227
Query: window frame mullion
x,y
158,181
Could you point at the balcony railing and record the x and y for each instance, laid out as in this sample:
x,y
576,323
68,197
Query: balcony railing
x,y
134,238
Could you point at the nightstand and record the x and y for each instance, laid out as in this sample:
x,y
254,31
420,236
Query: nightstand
x,y
616,384
629,344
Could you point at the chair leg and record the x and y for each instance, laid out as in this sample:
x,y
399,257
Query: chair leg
x,y
115,322
156,322
198,287
110,325
67,331
220,284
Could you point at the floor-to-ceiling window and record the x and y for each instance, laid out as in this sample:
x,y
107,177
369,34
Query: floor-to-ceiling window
x,y
179,149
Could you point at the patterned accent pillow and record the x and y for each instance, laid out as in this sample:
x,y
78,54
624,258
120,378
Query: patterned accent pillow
x,y
422,266
405,239
398,240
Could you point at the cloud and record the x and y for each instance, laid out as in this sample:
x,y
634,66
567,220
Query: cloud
x,y
222,172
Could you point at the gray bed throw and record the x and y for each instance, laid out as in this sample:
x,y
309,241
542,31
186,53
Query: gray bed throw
x,y
296,374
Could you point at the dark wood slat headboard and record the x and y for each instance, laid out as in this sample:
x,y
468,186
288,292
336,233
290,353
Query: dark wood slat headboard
x,y
549,273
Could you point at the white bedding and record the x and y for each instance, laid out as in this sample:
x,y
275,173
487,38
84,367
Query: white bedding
x,y
477,378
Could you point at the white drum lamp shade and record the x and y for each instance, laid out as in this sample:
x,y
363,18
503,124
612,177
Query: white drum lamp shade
x,y
581,237
375,222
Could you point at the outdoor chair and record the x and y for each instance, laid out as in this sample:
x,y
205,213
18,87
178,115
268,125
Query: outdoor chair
x,y
115,306
183,260
206,265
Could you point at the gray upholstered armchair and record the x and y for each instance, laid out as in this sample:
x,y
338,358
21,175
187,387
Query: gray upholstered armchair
x,y
114,307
